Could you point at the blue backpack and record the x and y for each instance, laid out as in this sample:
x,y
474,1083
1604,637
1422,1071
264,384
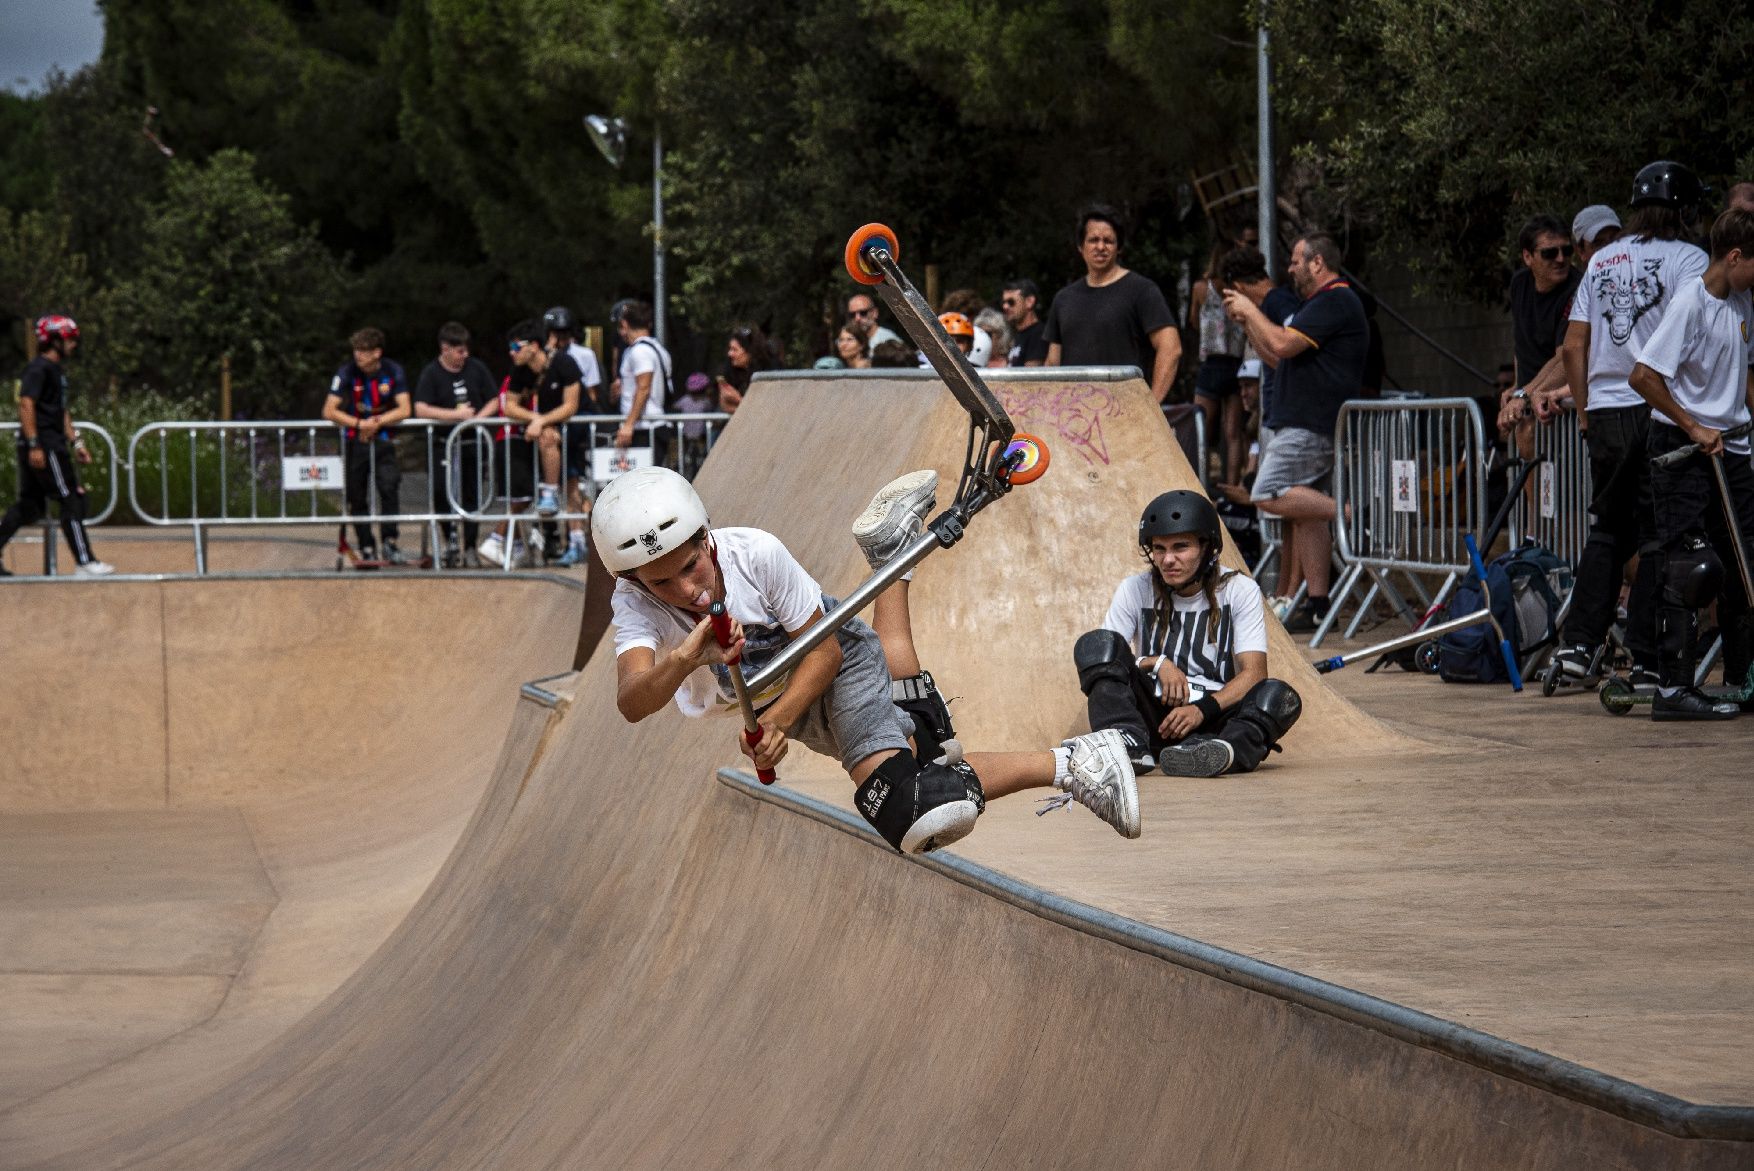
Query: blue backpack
x,y
1527,585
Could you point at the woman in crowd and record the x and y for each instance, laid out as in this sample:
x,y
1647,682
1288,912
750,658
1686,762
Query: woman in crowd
x,y
745,353
853,344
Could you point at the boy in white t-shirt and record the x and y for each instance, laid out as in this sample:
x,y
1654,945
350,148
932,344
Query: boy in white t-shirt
x,y
1693,371
1179,666
892,735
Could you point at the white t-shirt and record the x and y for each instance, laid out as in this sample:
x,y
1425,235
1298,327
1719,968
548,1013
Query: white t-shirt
x,y
879,335
1701,348
765,589
644,356
1209,663
1624,293
590,373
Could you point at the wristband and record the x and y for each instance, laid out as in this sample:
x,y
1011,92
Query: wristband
x,y
32,442
1209,709
1141,663
1519,392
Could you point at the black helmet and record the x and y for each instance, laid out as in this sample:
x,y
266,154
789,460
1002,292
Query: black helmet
x,y
1669,184
560,320
1179,512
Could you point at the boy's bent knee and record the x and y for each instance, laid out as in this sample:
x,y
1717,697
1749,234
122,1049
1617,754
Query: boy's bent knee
x,y
920,807
1101,654
1278,702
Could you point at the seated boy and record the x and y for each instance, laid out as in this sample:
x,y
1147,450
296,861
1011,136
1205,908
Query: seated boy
x,y
893,736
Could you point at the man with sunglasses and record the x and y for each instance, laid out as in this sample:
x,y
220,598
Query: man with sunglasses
x,y
863,307
1540,299
1018,299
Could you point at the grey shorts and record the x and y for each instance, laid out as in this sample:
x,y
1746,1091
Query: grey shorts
x,y
1294,457
855,717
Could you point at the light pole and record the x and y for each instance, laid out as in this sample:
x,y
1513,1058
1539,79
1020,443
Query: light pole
x,y
1266,183
610,137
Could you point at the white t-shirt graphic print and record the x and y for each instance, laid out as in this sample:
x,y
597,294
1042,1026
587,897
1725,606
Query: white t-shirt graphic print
x,y
765,589
1186,636
1623,295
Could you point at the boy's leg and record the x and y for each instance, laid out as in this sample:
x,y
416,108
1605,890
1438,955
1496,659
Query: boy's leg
x,y
70,498
1118,694
358,477
31,503
1690,574
1242,739
389,479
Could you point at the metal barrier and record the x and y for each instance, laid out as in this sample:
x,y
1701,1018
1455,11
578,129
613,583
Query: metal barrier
x,y
1409,490
1188,422
216,475
102,476
1554,510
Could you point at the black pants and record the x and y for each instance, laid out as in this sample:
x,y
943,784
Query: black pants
x,y
366,462
1687,504
1620,524
1124,698
468,472
56,480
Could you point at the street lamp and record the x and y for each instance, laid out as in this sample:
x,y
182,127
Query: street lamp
x,y
610,137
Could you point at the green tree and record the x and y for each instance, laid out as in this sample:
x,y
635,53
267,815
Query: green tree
x,y
39,273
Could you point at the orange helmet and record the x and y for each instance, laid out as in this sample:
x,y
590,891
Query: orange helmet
x,y
957,325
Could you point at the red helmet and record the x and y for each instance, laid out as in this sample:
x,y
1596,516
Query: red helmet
x,y
55,327
957,325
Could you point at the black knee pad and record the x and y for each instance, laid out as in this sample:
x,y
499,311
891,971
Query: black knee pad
x,y
1101,654
920,807
918,696
1692,573
1277,703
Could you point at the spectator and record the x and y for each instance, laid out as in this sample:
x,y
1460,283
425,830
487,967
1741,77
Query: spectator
x,y
1179,665
453,388
853,344
862,307
1221,344
895,355
516,478
1693,370
1592,229
368,396
554,382
992,323
695,399
563,334
645,377
968,303
745,353
1112,316
960,329
48,446
1018,299
1625,291
1319,354
1540,301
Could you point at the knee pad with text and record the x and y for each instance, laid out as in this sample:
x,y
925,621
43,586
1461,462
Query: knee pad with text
x,y
918,807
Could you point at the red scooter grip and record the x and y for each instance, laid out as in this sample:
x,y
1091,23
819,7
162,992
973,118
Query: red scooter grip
x,y
751,729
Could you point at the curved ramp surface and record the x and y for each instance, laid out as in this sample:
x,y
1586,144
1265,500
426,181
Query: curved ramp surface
x,y
627,964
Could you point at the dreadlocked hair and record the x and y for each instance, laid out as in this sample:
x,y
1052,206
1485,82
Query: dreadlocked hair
x,y
1212,575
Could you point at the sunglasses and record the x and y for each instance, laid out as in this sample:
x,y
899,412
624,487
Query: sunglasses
x,y
1555,252
872,312
514,347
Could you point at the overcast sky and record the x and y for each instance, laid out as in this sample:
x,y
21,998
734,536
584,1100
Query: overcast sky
x,y
38,34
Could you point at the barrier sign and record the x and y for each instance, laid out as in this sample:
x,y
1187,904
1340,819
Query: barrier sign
x,y
1549,491
316,471
609,462
1405,475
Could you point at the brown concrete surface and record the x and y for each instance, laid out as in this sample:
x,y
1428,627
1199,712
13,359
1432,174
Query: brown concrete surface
x,y
624,963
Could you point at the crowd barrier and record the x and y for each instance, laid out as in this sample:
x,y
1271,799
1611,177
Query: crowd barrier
x,y
1409,489
1554,508
101,479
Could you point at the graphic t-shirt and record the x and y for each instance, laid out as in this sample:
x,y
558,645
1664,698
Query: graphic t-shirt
x,y
363,395
45,383
471,387
1701,349
644,356
1108,326
1029,346
1186,636
765,589
1624,293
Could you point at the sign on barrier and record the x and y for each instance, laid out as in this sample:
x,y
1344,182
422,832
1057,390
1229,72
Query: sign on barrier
x,y
318,471
609,462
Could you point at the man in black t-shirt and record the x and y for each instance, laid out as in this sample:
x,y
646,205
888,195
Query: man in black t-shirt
x,y
49,445
1540,305
1018,300
1112,316
455,387
1319,354
555,402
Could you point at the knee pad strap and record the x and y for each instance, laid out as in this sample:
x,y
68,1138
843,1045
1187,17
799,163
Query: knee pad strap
x,y
920,807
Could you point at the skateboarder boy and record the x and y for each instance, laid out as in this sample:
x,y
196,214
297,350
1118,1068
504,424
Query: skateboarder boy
x,y
1694,373
1179,666
860,697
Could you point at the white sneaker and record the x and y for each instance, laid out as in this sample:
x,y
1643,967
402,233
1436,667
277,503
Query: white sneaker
x,y
492,549
895,516
94,568
547,500
1100,778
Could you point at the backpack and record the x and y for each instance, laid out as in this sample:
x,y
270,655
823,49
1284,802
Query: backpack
x,y
1527,585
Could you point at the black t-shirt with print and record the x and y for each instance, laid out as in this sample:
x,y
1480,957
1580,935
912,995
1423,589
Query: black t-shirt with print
x,y
1031,345
471,387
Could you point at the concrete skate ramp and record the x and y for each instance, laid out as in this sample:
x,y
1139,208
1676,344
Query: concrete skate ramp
x,y
625,963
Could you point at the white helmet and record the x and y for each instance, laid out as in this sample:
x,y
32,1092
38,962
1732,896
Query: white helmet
x,y
642,515
982,350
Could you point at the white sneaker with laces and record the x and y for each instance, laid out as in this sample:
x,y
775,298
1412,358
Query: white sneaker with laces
x,y
94,568
895,516
492,549
1100,778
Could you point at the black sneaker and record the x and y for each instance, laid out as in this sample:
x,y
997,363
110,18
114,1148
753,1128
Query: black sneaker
x,y
1197,756
1303,620
1139,754
1690,703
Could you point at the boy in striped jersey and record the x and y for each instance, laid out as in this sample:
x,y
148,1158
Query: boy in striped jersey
x,y
1179,666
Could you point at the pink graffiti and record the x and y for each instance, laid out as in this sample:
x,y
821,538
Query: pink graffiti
x,y
1074,412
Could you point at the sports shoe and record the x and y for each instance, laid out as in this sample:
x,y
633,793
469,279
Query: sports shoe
x,y
393,553
492,549
94,568
1690,703
453,555
520,554
471,559
1139,754
1100,778
574,555
1574,663
547,500
1197,756
368,552
895,516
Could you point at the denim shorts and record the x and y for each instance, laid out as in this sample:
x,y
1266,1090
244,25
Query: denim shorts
x,y
1294,457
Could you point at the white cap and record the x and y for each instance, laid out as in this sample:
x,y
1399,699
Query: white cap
x,y
1249,369
1589,223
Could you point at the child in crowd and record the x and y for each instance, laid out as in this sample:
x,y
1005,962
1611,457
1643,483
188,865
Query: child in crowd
x,y
860,696
1694,373
1179,666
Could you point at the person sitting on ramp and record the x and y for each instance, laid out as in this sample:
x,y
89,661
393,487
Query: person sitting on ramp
x,y
1179,666
892,735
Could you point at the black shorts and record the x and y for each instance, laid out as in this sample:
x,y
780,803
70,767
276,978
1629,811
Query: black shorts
x,y
514,459
1217,377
